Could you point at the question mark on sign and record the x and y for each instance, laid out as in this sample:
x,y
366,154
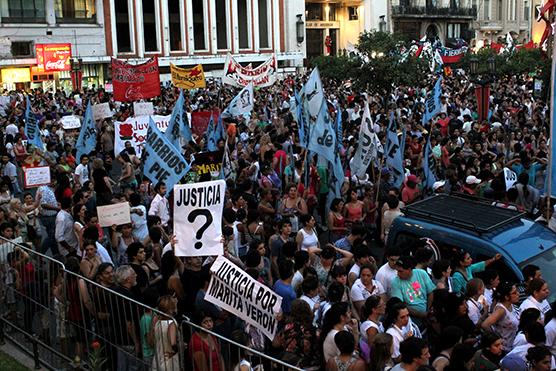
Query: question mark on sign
x,y
193,216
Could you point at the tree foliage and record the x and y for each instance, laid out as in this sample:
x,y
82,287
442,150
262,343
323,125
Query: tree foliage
x,y
521,61
336,68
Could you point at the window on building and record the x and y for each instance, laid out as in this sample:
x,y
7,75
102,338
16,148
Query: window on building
x,y
75,10
332,12
243,24
21,49
199,25
500,9
314,12
486,15
123,24
352,13
454,30
174,23
22,11
511,10
526,10
149,26
264,29
221,25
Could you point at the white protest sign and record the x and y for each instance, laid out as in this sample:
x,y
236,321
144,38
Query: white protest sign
x,y
70,122
510,177
101,111
36,176
143,108
116,214
134,130
232,289
198,218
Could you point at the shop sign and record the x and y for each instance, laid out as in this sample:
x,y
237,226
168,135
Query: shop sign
x,y
13,75
53,57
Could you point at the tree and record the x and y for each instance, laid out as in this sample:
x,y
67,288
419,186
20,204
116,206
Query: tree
x,y
336,68
385,67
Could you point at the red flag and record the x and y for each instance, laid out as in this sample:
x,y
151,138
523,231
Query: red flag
x,y
496,47
200,121
135,82
482,93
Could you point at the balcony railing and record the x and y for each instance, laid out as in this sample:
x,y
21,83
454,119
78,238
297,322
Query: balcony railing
x,y
434,11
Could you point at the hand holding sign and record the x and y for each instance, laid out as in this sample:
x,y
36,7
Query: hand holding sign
x,y
198,212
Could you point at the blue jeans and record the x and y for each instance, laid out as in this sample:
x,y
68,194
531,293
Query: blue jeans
x,y
49,224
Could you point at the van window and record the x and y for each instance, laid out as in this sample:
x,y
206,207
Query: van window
x,y
506,274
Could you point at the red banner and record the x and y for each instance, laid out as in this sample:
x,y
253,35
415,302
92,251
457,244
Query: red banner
x,y
135,82
482,93
200,121
53,57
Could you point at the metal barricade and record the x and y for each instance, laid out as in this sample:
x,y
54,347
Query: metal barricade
x,y
29,282
66,321
205,347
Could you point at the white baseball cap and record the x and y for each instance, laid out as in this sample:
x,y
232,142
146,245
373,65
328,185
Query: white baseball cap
x,y
471,179
438,184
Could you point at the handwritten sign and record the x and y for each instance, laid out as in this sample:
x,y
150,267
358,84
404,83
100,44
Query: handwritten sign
x,y
116,214
101,111
143,108
70,122
36,176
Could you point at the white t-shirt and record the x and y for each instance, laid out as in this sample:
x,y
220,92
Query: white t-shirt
x,y
474,310
531,302
550,330
82,173
103,254
297,279
385,276
140,230
367,325
359,292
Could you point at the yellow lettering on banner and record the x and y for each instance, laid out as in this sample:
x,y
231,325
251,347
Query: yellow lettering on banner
x,y
188,78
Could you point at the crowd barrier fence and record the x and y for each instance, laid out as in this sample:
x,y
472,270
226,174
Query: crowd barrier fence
x,y
66,321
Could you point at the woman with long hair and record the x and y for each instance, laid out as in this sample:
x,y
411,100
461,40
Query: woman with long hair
x,y
336,220
165,336
292,206
297,342
204,348
336,319
354,210
504,318
372,311
381,349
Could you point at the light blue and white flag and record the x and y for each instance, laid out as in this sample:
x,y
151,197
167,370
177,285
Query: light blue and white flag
x,y
87,140
433,104
322,138
242,104
178,126
429,166
211,136
162,162
32,129
394,154
219,133
552,155
312,97
368,147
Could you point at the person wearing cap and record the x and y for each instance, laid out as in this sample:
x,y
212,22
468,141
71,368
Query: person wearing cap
x,y
411,191
438,187
414,287
470,187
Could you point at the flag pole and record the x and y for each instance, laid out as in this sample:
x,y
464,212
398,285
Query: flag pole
x,y
552,123
379,176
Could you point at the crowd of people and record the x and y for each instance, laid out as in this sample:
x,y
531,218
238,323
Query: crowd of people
x,y
348,303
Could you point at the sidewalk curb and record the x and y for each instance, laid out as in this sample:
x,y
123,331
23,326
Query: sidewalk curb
x,y
20,356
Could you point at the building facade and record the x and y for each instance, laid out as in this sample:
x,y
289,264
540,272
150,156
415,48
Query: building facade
x,y
333,25
182,32
447,20
495,18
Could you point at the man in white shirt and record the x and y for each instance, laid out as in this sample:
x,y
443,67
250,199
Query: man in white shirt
x,y
9,170
12,129
65,234
159,205
539,292
388,271
81,174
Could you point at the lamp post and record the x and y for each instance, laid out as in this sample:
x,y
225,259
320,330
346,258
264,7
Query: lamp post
x,y
482,84
76,73
300,29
